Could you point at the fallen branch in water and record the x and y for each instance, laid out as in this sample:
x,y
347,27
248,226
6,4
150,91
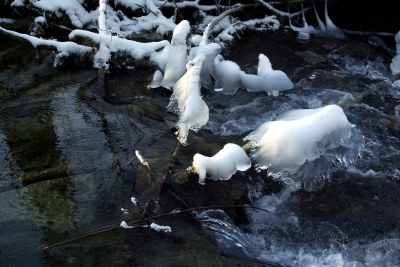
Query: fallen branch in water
x,y
133,223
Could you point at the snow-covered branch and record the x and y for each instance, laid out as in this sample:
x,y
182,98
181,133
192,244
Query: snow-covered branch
x,y
115,44
64,49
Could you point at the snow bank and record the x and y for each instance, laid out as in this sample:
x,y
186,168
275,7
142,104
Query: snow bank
x,y
222,165
298,136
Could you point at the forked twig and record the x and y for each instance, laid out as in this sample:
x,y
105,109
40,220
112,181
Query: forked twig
x,y
112,227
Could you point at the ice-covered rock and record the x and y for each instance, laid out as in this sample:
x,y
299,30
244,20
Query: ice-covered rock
x,y
267,79
222,165
227,75
298,136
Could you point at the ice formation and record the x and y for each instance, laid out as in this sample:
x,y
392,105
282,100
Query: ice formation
x,y
156,81
395,66
267,79
227,74
284,145
331,29
158,228
397,38
304,36
327,29
187,102
186,99
222,165
178,53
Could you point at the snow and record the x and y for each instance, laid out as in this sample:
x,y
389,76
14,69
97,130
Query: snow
x,y
186,99
395,66
397,38
208,65
19,3
72,8
331,29
222,165
40,19
118,45
298,136
134,201
133,4
304,36
267,79
227,76
125,225
159,228
102,17
196,39
64,48
6,20
178,53
187,102
156,81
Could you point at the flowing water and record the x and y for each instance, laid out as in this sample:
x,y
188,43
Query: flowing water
x,y
68,166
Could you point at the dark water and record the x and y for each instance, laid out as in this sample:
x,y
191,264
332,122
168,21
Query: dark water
x,y
68,165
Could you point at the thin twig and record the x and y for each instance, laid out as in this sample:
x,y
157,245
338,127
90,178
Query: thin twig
x,y
112,227
180,14
145,8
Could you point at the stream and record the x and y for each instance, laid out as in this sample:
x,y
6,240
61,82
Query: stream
x,y
68,164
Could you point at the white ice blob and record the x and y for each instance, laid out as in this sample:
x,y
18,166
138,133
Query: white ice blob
x,y
178,53
267,79
222,165
395,65
159,228
297,136
156,81
227,75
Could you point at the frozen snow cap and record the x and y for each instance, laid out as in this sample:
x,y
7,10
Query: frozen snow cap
x,y
222,165
297,136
